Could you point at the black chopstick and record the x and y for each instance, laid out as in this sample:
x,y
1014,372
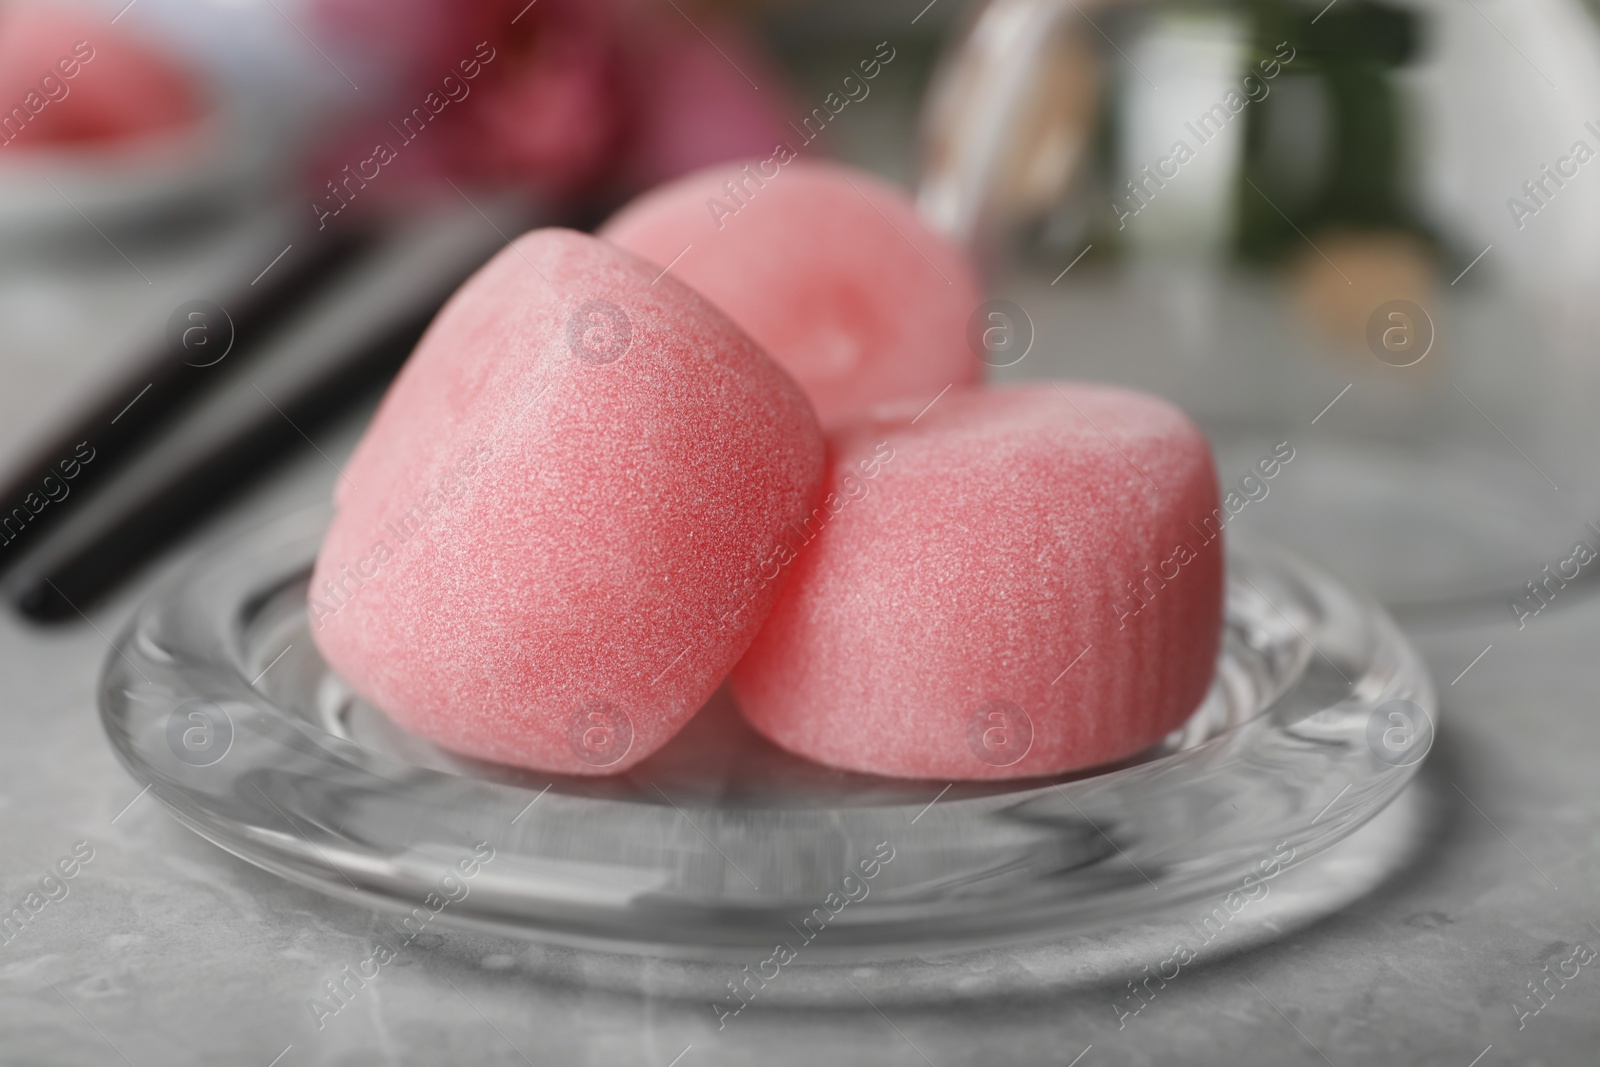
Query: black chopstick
x,y
149,386
348,339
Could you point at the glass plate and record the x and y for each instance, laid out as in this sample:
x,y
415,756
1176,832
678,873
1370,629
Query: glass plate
x,y
720,844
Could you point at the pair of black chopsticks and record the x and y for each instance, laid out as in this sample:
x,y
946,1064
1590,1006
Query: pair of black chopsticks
x,y
237,383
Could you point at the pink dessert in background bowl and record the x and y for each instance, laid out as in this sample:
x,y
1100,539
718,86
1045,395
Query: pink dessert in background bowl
x,y
68,81
97,121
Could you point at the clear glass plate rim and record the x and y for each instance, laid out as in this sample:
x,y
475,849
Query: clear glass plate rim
x,y
225,654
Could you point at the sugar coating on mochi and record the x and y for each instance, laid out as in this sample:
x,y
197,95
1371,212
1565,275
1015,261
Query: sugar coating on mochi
x,y
550,545
1023,581
828,268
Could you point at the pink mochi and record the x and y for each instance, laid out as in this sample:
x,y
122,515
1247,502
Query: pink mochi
x,y
549,544
827,267
1021,581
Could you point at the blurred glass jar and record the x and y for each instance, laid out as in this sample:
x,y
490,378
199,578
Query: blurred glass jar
x,y
1370,230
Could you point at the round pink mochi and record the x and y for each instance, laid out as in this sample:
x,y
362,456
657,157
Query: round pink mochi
x,y
549,545
1023,581
827,267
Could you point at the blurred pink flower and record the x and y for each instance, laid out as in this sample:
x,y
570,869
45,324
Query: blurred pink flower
x,y
700,102
584,99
